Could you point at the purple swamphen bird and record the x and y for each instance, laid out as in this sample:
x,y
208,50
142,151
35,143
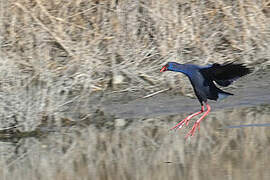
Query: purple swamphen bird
x,y
202,79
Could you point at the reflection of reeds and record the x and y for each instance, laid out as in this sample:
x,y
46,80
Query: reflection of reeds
x,y
146,149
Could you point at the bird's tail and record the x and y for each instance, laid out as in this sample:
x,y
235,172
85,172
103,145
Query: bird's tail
x,y
223,94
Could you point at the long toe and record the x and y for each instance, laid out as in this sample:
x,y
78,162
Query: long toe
x,y
180,124
192,131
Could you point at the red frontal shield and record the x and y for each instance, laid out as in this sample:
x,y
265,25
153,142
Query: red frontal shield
x,y
164,68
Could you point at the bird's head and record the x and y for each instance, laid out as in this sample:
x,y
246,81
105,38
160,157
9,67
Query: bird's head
x,y
170,66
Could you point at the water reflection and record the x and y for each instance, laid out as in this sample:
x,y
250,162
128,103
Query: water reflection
x,y
144,148
250,125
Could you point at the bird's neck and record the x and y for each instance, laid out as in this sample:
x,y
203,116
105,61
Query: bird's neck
x,y
180,68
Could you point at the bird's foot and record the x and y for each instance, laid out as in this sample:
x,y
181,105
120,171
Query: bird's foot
x,y
180,124
187,119
192,131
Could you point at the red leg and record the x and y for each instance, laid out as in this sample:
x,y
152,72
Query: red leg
x,y
186,120
197,123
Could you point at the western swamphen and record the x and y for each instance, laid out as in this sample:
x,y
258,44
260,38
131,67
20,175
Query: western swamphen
x,y
202,79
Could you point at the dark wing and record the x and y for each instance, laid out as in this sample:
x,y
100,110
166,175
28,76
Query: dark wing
x,y
225,74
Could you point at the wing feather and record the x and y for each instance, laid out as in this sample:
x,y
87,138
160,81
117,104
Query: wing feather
x,y
225,74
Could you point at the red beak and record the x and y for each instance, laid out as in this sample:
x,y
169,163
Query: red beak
x,y
164,68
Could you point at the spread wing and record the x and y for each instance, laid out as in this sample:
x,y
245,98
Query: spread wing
x,y
225,74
